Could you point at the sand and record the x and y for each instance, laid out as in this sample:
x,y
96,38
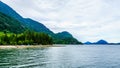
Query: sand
x,y
26,46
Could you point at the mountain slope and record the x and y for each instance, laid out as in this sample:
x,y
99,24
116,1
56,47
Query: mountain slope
x,y
64,34
65,38
36,26
31,24
10,24
87,43
101,42
4,8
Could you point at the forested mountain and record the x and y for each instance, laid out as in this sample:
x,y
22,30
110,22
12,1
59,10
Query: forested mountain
x,y
64,34
36,26
10,24
4,8
63,37
31,24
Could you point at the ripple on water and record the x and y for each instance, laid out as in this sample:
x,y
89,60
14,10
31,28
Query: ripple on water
x,y
62,57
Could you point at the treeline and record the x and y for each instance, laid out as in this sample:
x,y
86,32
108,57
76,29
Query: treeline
x,y
66,41
26,38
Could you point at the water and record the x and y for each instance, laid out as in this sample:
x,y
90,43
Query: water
x,y
61,57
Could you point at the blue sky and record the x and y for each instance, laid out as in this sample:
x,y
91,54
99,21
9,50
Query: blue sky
x,y
87,20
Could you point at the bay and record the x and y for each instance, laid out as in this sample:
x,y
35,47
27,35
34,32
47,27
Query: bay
x,y
70,56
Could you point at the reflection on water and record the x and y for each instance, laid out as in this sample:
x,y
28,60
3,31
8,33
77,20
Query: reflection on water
x,y
61,57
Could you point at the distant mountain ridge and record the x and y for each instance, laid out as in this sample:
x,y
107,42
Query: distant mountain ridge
x,y
36,26
101,42
87,43
98,42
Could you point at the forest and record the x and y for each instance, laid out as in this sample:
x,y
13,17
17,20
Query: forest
x,y
26,38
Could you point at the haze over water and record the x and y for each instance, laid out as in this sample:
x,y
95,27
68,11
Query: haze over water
x,y
62,57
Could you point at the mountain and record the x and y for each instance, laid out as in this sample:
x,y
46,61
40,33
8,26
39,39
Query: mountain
x,y
4,8
10,24
36,26
101,42
87,43
64,34
66,38
31,24
98,42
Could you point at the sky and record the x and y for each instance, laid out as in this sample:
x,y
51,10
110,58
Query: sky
x,y
86,20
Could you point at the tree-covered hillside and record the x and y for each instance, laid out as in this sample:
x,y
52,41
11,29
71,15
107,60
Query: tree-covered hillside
x,y
10,24
36,26
13,22
29,23
65,38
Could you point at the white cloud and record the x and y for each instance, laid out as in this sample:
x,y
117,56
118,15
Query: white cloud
x,y
87,20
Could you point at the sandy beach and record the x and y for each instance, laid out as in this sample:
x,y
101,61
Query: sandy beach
x,y
26,46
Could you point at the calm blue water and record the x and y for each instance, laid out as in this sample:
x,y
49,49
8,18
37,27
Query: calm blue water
x,y
62,57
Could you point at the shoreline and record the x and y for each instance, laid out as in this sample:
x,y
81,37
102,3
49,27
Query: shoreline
x,y
27,46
